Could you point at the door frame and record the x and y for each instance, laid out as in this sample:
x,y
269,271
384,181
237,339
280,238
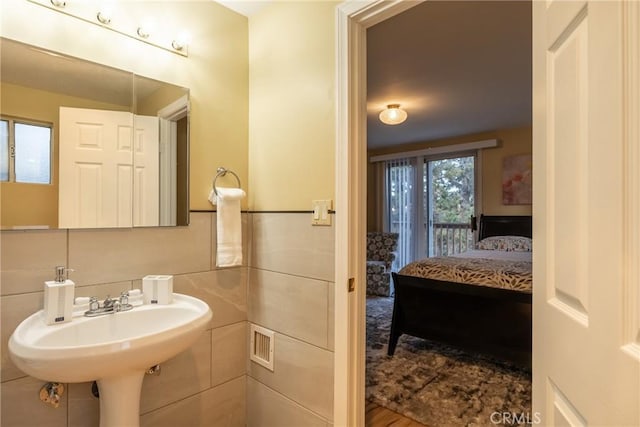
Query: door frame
x,y
352,20
169,116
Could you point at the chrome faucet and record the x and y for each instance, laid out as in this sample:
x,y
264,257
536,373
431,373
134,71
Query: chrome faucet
x,y
109,305
108,302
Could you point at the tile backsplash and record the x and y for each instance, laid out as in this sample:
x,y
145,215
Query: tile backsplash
x,y
285,284
107,262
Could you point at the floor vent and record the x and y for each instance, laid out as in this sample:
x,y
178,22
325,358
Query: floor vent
x,y
262,342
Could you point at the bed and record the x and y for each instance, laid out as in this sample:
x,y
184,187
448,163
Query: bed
x,y
486,318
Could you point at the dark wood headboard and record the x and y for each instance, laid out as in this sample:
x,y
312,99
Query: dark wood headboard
x,y
504,225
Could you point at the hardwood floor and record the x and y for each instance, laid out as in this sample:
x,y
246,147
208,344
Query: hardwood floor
x,y
378,416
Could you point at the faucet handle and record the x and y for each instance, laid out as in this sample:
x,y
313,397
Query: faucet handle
x,y
94,305
124,298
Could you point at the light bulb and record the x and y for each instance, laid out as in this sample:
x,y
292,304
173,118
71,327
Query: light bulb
x,y
104,17
105,13
143,32
146,28
181,41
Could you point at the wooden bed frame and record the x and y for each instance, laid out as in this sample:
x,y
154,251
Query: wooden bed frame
x,y
475,318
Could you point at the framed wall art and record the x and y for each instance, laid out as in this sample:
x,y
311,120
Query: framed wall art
x,y
516,180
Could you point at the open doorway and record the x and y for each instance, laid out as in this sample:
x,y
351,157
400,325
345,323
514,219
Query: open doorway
x,y
566,392
462,71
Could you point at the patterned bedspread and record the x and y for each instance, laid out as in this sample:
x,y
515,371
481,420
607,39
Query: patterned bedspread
x,y
498,269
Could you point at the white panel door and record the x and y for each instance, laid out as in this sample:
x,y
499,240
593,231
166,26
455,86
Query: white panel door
x,y
146,180
96,168
586,368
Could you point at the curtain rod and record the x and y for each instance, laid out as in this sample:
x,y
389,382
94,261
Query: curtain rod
x,y
431,151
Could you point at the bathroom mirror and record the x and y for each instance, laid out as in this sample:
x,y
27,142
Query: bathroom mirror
x,y
83,145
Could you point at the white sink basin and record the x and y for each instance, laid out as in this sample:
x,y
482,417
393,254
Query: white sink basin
x,y
114,349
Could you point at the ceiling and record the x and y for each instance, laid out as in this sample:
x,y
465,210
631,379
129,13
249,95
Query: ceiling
x,y
244,7
456,67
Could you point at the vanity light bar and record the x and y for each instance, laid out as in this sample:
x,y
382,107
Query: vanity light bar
x,y
104,19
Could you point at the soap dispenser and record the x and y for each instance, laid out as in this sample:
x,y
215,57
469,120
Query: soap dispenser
x,y
58,298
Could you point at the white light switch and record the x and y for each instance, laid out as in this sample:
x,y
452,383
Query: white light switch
x,y
321,214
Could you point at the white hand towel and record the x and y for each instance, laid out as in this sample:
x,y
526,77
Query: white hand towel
x,y
229,225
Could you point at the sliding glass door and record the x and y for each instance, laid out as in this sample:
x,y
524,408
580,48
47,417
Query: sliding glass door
x,y
429,204
449,189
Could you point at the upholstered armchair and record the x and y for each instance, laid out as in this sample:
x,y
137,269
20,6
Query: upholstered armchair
x,y
381,249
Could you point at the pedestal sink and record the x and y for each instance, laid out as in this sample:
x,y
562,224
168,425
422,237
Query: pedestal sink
x,y
115,350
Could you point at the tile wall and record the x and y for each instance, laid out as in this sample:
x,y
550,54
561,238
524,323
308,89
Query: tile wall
x,y
204,386
286,286
290,291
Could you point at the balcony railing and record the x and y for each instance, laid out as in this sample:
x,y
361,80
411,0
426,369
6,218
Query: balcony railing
x,y
446,239
451,238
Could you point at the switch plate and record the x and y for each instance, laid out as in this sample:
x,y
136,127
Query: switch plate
x,y
321,215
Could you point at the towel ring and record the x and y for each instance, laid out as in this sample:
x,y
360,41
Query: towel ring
x,y
222,172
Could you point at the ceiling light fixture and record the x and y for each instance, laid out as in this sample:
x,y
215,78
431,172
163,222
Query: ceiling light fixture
x,y
59,3
393,115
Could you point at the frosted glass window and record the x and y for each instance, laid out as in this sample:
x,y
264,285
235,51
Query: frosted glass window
x,y
4,150
32,153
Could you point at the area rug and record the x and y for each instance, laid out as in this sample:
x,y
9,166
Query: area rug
x,y
439,385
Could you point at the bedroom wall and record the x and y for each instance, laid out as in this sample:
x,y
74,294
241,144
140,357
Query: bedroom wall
x,y
512,142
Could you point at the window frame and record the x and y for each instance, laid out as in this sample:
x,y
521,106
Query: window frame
x,y
477,191
421,241
12,120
